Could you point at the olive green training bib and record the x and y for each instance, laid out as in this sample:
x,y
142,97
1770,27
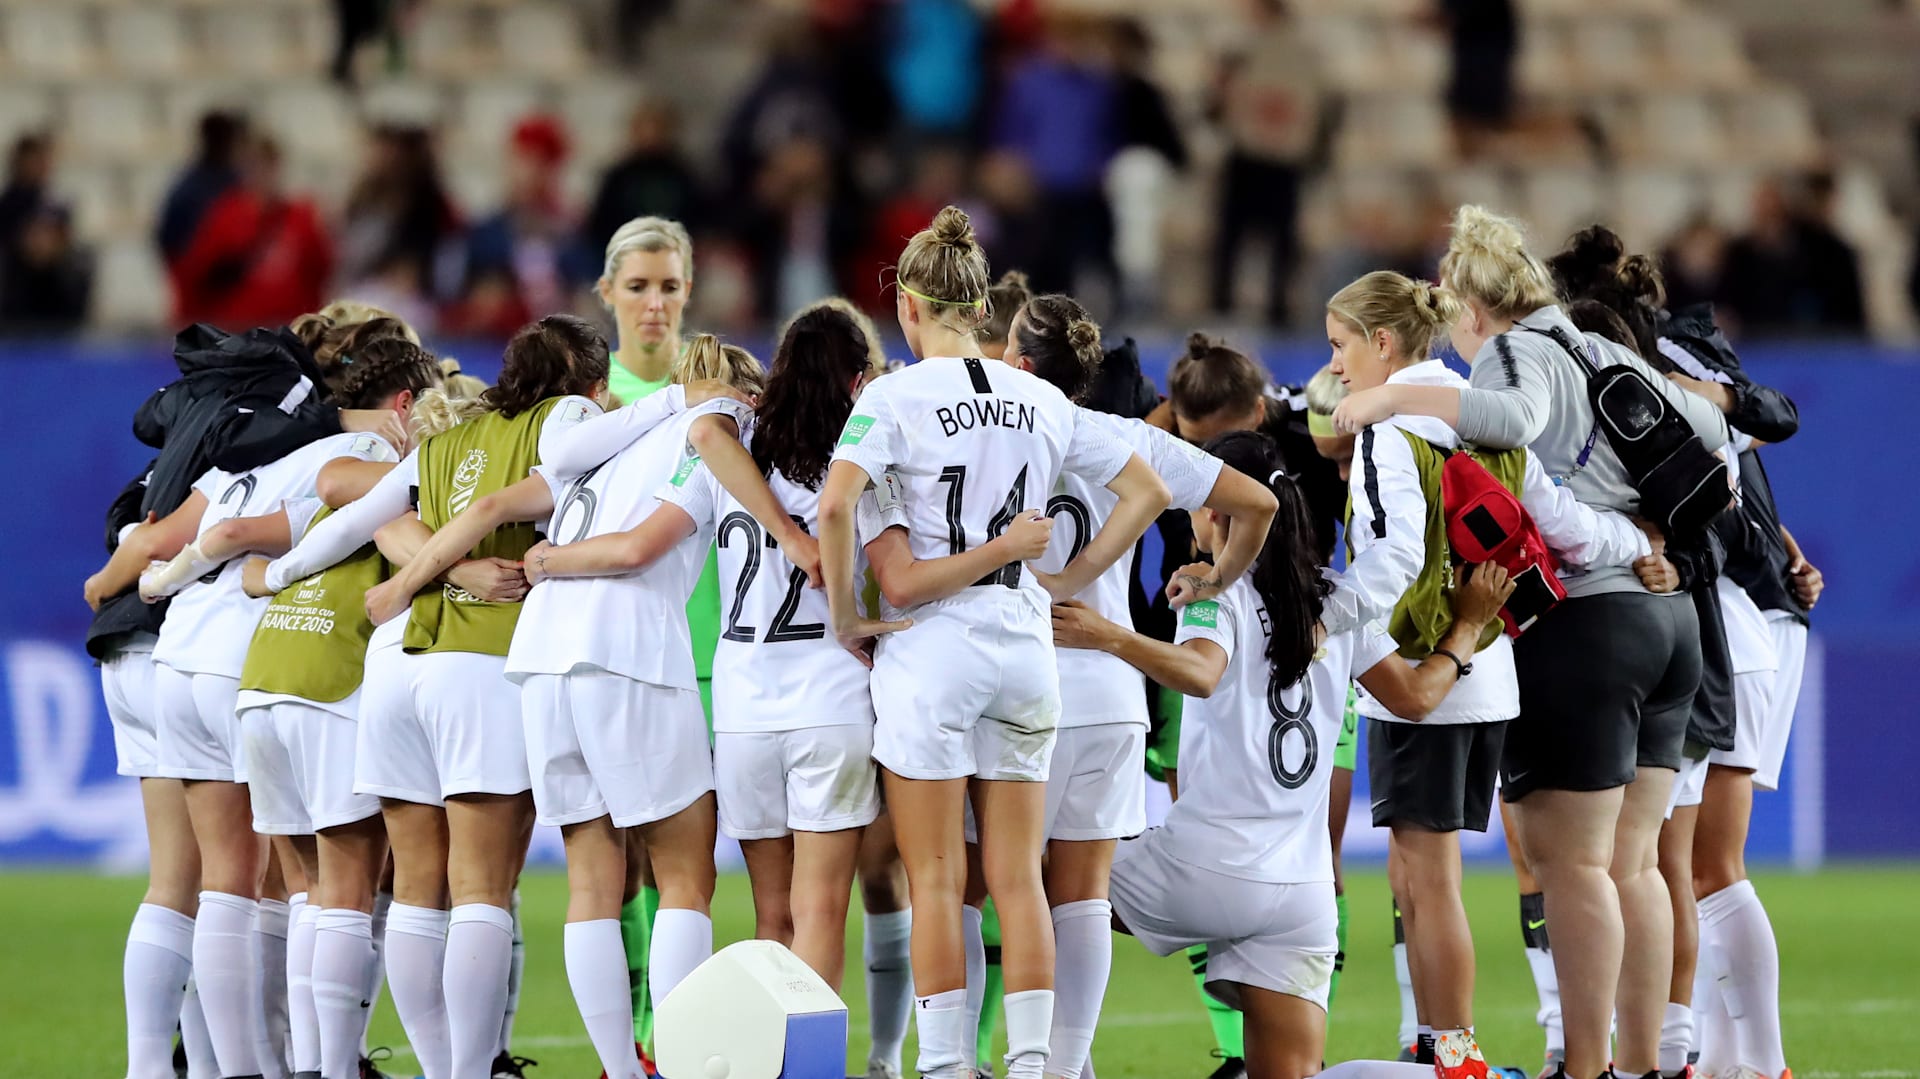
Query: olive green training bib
x,y
312,641
477,458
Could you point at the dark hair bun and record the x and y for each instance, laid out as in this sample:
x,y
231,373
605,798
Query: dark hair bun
x,y
1199,346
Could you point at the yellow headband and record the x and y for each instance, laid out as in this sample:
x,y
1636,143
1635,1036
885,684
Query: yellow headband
x,y
1320,426
978,305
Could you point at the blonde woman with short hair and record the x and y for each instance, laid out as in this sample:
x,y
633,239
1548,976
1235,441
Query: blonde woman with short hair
x,y
1591,761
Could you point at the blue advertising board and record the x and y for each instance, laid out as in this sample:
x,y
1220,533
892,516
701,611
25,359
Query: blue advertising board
x,y
1842,486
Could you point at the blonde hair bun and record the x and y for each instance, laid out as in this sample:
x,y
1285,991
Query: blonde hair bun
x,y
952,226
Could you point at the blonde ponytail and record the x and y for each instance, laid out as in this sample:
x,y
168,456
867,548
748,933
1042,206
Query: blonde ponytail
x,y
707,358
1412,312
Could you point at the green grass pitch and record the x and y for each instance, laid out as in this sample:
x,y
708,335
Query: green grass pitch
x,y
1849,944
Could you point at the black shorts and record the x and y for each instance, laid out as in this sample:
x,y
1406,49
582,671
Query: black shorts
x,y
1607,684
1439,778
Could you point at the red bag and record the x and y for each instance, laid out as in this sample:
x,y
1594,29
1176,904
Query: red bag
x,y
1487,523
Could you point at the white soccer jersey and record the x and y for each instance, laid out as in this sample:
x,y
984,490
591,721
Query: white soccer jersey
x,y
777,666
1096,687
974,442
1256,759
211,622
635,624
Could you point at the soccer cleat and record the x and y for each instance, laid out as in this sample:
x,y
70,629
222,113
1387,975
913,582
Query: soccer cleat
x,y
1510,1072
508,1066
880,1069
1684,1073
1230,1067
1408,1055
1457,1056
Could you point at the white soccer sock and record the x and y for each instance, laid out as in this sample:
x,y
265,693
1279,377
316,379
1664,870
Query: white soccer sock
x,y
597,971
1082,963
342,952
302,1022
377,973
1377,1069
1029,1024
682,940
1676,1037
888,945
201,1063
1409,1016
516,971
223,967
973,943
416,957
273,1035
945,1041
1546,985
154,974
1737,924
479,955
1713,1034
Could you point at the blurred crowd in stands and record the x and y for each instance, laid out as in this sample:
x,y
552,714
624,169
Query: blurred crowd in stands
x,y
863,119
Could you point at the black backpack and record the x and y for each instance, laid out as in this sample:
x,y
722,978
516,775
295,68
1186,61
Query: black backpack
x,y
1683,486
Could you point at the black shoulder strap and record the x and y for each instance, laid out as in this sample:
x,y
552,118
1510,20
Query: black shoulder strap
x,y
1566,342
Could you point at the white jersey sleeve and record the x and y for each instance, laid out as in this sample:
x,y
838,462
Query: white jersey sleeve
x,y
871,438
1094,453
300,514
1371,644
695,489
1188,472
569,415
346,531
1387,530
1208,620
1582,536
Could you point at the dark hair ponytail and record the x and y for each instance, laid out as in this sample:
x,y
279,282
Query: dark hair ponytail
x,y
381,368
809,394
1287,573
552,357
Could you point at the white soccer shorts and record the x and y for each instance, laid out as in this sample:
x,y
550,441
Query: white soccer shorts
x,y
471,716
1790,651
1277,937
1754,718
126,680
604,745
393,752
815,779
970,691
300,768
198,733
1690,786
1097,785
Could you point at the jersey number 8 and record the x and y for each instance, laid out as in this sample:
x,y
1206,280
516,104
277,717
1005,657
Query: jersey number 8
x,y
1286,720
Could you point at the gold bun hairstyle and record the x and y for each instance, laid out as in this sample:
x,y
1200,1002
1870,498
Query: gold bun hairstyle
x,y
1413,312
1487,261
944,268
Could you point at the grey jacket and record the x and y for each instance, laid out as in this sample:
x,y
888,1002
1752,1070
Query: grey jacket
x,y
1526,391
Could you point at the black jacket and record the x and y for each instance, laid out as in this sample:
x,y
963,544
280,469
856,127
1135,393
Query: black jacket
x,y
1756,552
241,401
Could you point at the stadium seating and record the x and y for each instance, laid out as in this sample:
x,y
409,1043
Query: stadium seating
x,y
1662,95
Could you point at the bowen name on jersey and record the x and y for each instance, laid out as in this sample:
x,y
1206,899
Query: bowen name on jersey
x,y
988,412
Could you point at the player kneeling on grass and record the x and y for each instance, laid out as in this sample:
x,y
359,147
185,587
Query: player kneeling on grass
x,y
1243,863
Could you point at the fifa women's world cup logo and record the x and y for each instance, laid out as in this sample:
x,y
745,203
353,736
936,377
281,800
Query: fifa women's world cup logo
x,y
465,479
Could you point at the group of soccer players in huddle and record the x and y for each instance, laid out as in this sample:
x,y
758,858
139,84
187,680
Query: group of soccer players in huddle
x,y
395,648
